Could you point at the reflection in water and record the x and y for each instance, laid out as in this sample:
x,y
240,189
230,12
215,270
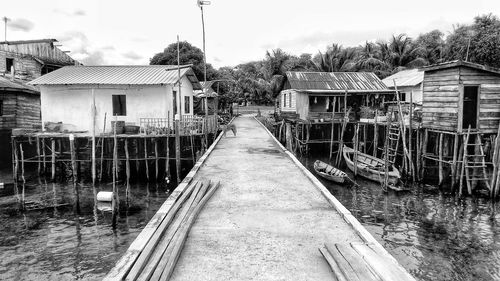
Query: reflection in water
x,y
57,243
435,236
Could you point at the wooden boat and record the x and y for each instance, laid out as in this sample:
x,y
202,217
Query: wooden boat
x,y
371,167
329,172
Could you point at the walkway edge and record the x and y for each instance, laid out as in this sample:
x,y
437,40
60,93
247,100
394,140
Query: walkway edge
x,y
345,214
125,263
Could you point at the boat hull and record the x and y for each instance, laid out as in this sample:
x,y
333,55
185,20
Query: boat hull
x,y
368,171
340,178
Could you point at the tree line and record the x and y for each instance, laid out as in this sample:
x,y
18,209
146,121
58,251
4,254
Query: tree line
x,y
261,81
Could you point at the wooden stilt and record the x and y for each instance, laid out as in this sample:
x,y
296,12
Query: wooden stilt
x,y
73,157
454,163
418,154
42,140
114,206
333,125
127,168
440,162
375,135
424,151
356,148
103,140
137,156
496,168
53,158
167,152
410,138
146,158
177,151
365,144
156,158
15,161
38,154
22,164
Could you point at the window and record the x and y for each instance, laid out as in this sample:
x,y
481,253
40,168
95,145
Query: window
x,y
187,105
290,100
8,64
1,107
119,105
284,100
175,102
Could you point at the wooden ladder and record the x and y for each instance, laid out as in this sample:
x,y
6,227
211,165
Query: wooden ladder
x,y
392,142
473,165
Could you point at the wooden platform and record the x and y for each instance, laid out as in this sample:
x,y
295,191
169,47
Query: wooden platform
x,y
266,221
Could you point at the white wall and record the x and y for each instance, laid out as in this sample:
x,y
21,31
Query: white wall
x,y
72,104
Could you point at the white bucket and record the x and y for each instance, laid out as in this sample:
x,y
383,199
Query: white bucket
x,y
105,196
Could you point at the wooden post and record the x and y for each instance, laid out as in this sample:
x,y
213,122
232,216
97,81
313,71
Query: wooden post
x,y
127,168
454,163
146,157
333,124
73,157
53,158
410,138
113,175
288,136
167,160
22,165
424,151
403,128
375,135
418,155
156,157
364,139
93,113
15,162
37,139
177,119
103,140
356,143
440,162
42,140
495,160
192,147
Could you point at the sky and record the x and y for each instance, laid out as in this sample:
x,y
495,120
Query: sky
x,y
99,32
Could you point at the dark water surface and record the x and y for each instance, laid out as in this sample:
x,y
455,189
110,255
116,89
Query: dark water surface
x,y
54,243
435,236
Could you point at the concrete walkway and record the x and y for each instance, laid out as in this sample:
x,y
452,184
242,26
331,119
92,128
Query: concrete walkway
x,y
267,219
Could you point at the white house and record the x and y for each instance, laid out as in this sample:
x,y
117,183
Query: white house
x,y
122,93
409,82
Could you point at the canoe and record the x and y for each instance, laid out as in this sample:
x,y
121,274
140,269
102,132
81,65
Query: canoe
x,y
329,172
371,167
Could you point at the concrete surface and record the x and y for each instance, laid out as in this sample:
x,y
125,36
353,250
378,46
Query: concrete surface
x,y
265,222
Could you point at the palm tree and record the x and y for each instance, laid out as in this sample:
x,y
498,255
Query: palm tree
x,y
403,53
370,58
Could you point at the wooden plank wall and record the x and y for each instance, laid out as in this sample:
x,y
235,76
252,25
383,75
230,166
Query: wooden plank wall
x,y
21,110
26,67
489,99
440,105
43,50
8,119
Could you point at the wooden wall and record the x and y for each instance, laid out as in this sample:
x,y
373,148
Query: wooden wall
x,y
442,107
21,110
440,99
489,96
26,67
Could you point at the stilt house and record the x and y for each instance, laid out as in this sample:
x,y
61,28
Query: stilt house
x,y
138,95
408,82
312,95
460,94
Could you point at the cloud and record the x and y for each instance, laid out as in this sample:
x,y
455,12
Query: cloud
x,y
132,55
82,49
20,25
78,12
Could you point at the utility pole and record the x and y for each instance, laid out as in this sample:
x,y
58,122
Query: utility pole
x,y
5,20
177,118
202,3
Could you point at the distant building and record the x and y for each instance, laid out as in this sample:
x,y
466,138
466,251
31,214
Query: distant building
x,y
32,58
408,82
459,94
207,94
122,93
320,95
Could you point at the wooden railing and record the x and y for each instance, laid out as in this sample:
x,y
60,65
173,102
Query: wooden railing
x,y
188,125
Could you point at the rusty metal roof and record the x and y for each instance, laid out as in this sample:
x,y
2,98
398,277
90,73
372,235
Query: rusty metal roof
x,y
405,78
117,75
16,86
336,81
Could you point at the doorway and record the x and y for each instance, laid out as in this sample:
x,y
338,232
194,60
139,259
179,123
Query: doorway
x,y
471,94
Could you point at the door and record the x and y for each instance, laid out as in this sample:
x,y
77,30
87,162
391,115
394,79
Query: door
x,y
470,107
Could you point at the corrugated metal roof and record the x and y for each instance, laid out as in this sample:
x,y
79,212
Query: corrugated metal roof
x,y
335,81
117,75
8,85
405,78
457,63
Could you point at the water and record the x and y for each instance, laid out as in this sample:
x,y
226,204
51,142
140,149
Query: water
x,y
434,235
55,243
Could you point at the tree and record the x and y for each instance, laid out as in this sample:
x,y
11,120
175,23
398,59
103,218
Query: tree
x,y
403,54
485,42
431,46
188,54
370,59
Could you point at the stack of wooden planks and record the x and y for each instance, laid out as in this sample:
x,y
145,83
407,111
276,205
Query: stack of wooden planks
x,y
158,258
362,262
